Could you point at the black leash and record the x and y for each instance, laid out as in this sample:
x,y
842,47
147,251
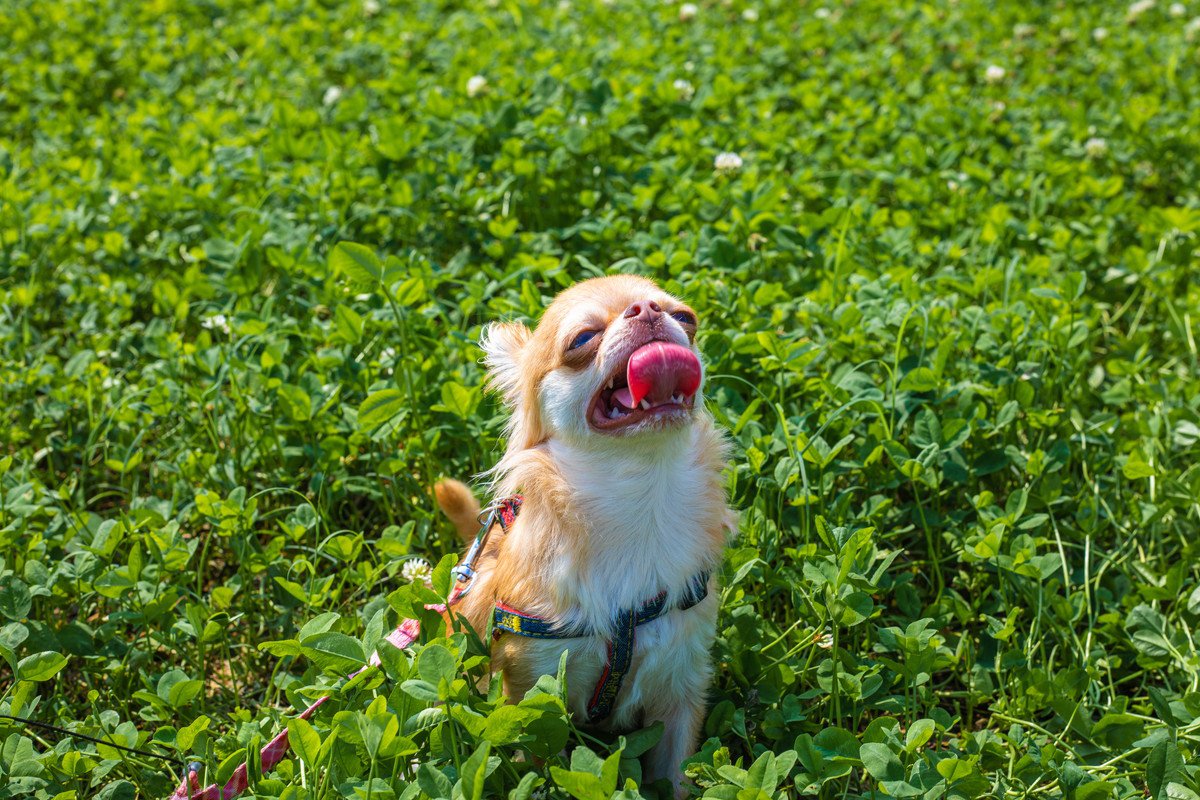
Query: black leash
x,y
47,726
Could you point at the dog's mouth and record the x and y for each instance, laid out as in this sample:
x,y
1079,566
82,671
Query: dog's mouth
x,y
658,381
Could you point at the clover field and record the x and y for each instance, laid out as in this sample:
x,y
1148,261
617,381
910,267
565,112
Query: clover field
x,y
944,258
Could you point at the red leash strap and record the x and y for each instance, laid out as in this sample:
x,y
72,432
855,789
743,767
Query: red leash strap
x,y
277,749
505,512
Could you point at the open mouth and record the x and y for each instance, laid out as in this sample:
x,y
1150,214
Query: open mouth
x,y
659,380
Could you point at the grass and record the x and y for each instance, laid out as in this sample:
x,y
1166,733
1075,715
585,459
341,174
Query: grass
x,y
947,302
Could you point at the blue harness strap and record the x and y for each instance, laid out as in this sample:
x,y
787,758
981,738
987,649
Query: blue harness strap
x,y
505,618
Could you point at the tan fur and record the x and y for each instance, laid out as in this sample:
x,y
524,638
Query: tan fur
x,y
524,566
459,504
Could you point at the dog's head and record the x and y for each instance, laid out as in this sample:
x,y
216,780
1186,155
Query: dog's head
x,y
611,358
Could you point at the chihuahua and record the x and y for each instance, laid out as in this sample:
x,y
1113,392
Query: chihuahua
x,y
623,517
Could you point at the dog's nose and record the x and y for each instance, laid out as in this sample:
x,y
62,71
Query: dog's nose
x,y
645,310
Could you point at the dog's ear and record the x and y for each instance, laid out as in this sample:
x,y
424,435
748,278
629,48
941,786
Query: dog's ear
x,y
503,343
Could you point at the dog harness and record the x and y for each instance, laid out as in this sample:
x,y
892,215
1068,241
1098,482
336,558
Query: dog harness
x,y
506,619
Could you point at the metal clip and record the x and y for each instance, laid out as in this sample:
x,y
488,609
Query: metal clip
x,y
465,572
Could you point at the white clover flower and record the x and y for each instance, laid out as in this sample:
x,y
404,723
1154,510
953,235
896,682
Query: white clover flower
x,y
750,15
216,322
417,569
1192,29
1100,34
1137,9
994,73
476,85
1177,10
684,88
1023,30
332,95
114,197
999,106
727,162
822,13
825,641
688,12
1095,147
371,7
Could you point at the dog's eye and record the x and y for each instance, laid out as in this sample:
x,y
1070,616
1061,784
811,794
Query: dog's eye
x,y
684,318
583,338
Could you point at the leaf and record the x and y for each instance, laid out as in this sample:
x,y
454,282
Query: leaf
x,y
421,690
837,743
474,770
304,740
918,734
1118,731
458,399
580,785
15,600
640,741
349,323
524,789
881,762
1163,766
40,666
506,724
762,773
433,782
334,651
1136,467
295,402
1096,790
435,664
1162,706
319,624
356,262
1177,791
380,407
177,689
921,379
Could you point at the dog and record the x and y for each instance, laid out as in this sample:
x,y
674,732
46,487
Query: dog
x,y
623,517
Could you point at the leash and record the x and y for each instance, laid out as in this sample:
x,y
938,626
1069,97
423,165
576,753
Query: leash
x,y
407,632
506,619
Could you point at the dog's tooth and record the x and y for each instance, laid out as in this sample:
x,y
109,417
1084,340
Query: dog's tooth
x,y
610,383
645,405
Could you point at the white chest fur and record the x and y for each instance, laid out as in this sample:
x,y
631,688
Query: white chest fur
x,y
645,533
645,529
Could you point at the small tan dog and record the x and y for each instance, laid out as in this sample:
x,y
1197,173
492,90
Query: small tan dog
x,y
624,515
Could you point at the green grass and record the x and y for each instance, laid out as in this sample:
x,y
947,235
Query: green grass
x,y
950,323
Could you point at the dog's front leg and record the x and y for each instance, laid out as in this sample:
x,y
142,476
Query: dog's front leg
x,y
681,725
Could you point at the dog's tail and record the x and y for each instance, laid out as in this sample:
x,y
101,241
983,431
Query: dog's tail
x,y
460,505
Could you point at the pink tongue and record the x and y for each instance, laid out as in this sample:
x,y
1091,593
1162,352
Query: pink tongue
x,y
656,372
